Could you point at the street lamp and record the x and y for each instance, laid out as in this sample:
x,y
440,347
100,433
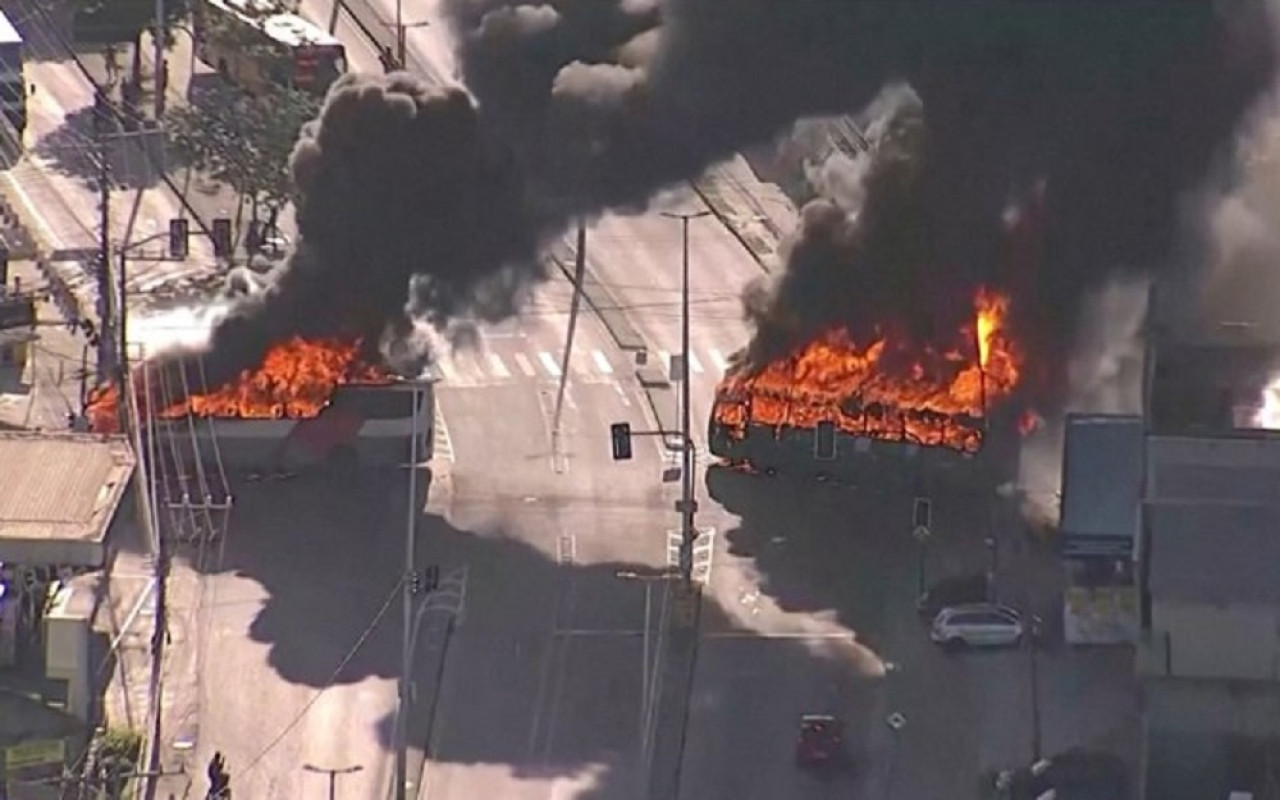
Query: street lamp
x,y
418,392
333,775
1033,642
687,506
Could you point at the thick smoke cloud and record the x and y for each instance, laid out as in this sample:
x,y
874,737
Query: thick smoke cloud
x,y
1113,108
399,187
1109,112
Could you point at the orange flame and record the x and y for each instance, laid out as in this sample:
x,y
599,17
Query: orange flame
x,y
296,379
939,400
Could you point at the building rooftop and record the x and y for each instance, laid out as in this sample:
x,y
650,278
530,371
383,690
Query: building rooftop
x,y
58,494
1102,469
1194,545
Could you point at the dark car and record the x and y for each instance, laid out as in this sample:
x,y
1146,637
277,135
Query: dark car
x,y
959,590
820,743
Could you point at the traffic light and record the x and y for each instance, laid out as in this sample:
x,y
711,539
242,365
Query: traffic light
x,y
620,434
221,234
90,332
431,580
219,779
4,265
824,441
179,233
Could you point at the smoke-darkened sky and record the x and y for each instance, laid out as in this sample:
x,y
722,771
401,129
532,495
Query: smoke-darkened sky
x,y
1116,108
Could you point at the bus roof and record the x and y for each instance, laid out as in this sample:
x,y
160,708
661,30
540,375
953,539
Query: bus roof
x,y
8,33
288,29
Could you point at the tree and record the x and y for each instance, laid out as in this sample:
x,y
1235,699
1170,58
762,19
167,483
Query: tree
x,y
118,21
113,758
245,142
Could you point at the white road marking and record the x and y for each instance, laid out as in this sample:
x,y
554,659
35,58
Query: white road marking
x,y
525,365
442,445
445,366
549,363
50,237
498,368
602,363
469,367
717,358
694,363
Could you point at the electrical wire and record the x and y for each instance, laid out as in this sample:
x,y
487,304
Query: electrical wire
x,y
333,678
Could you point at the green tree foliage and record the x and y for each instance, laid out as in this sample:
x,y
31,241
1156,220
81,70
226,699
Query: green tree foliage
x,y
114,756
243,141
116,21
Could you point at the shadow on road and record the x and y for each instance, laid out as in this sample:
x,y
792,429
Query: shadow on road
x,y
327,552
72,150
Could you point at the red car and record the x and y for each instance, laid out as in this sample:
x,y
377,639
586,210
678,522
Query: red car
x,y
821,742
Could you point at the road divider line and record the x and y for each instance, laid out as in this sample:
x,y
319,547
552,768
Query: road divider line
x,y
525,365
602,362
717,358
445,365
694,364
495,364
549,363
469,365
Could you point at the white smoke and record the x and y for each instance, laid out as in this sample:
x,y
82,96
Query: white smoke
x,y
839,148
1104,377
183,328
1239,292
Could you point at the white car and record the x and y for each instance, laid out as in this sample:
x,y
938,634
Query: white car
x,y
977,625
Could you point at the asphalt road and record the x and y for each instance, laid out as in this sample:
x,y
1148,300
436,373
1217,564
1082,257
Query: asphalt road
x,y
54,186
810,590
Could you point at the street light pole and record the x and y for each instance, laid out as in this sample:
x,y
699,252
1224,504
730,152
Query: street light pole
x,y
333,775
406,646
688,506
1034,640
161,35
400,43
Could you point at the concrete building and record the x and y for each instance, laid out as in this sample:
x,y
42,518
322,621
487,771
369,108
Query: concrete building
x,y
61,496
59,493
1209,655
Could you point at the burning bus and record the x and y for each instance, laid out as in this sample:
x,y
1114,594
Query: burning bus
x,y
309,401
835,407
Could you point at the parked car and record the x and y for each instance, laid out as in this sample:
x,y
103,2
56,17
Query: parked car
x,y
820,743
1075,774
957,590
977,625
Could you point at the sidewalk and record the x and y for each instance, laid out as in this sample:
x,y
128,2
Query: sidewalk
x,y
51,383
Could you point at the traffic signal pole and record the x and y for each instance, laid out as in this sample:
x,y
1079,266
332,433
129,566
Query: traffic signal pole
x,y
579,270
688,504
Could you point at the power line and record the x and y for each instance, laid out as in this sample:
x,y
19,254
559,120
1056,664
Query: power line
x,y
333,678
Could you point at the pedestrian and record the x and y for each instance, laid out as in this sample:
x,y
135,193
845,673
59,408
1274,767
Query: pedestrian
x,y
113,66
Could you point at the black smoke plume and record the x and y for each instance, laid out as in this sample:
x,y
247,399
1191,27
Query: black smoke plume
x,y
1114,109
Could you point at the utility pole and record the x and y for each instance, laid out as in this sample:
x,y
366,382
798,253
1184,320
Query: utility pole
x,y
160,79
102,118
333,775
400,39
579,271
688,506
1034,644
408,585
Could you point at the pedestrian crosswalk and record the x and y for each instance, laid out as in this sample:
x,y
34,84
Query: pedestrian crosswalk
x,y
485,366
